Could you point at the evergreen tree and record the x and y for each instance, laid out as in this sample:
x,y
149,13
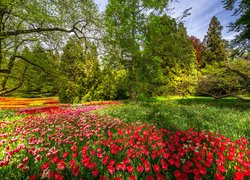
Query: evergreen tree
x,y
214,47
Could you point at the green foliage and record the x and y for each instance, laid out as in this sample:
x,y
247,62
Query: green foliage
x,y
43,22
126,22
79,70
82,78
39,83
214,47
218,81
168,42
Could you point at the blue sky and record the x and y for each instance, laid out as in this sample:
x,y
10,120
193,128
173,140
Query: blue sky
x,y
201,13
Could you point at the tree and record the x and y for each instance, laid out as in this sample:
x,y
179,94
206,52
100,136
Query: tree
x,y
79,70
38,83
242,24
214,48
125,25
197,45
25,23
168,43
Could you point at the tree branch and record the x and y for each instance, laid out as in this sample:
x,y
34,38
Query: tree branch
x,y
5,71
17,87
37,30
28,61
244,76
226,95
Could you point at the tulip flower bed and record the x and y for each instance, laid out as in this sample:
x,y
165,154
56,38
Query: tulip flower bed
x,y
72,143
15,103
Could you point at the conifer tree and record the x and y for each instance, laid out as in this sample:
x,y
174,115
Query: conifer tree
x,y
214,47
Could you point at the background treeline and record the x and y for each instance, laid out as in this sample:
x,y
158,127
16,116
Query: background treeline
x,y
134,49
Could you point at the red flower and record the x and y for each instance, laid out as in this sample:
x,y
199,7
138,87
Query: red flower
x,y
156,168
74,148
54,159
65,155
102,178
150,178
239,176
33,177
126,160
164,164
58,176
140,168
177,174
130,169
74,155
218,176
61,165
25,160
105,160
75,170
111,169
131,177
221,168
159,177
95,172
38,157
51,175
71,162
45,166
147,166
21,165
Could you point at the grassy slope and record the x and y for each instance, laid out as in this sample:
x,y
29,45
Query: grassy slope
x,y
229,117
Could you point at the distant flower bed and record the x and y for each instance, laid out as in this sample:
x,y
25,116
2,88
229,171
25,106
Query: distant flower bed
x,y
66,144
16,103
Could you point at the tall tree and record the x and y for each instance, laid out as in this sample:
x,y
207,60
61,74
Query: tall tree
x,y
214,47
79,70
242,24
168,43
125,22
26,22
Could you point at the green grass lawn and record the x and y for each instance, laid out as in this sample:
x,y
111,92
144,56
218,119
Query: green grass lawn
x,y
230,117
